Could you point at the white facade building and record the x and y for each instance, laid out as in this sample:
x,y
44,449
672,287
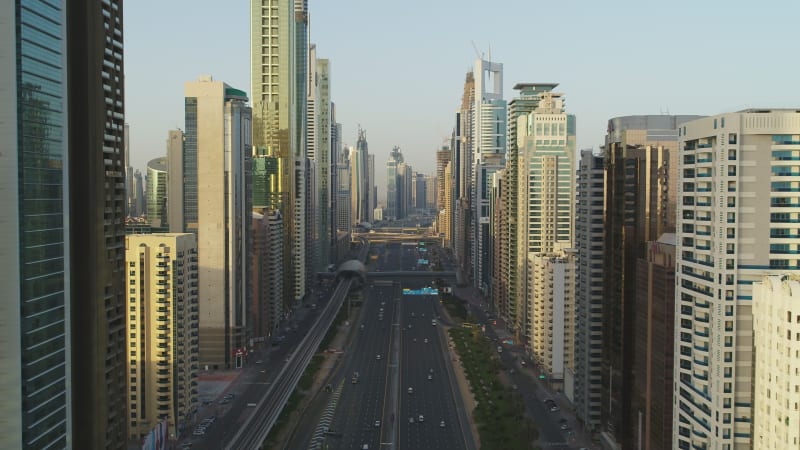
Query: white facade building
x,y
551,299
776,381
738,214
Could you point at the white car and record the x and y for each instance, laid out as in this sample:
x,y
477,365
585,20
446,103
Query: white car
x,y
377,424
426,340
430,377
441,424
410,390
378,357
421,418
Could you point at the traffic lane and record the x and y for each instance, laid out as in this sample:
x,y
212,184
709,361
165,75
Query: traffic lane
x,y
361,403
432,398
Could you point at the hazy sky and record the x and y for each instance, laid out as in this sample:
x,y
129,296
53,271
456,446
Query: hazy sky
x,y
398,67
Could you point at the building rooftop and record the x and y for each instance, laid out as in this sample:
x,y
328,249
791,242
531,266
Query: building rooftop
x,y
545,86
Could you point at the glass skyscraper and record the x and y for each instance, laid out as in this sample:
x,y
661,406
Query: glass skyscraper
x,y
55,209
34,315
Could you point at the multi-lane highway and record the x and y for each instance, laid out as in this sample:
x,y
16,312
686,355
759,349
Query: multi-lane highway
x,y
427,408
359,415
391,355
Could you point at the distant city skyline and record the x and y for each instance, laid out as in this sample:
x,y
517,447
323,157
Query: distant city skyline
x,y
397,70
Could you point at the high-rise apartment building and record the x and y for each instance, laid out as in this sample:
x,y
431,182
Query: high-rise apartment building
x,y
489,115
498,288
588,357
640,159
157,192
512,307
776,365
266,307
218,133
430,193
443,156
545,214
278,46
462,171
653,363
737,222
551,289
96,117
162,320
446,215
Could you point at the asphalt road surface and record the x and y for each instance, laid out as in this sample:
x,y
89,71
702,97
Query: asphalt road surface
x,y
376,410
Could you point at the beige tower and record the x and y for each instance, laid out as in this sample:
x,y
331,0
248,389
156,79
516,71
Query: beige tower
x,y
216,147
162,323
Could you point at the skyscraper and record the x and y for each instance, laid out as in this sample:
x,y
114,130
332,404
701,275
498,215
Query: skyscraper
x,y
514,309
640,161
157,192
588,354
653,363
266,302
392,182
489,140
278,84
446,216
360,186
322,157
96,108
218,121
344,204
545,218
737,222
776,318
162,323
443,156
462,171
175,181
35,250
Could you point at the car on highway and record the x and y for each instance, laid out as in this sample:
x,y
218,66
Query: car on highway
x,y
378,357
411,419
410,390
377,424
409,326
441,424
426,340
421,418
430,377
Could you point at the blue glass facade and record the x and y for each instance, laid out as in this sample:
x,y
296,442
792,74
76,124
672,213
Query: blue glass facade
x,y
41,146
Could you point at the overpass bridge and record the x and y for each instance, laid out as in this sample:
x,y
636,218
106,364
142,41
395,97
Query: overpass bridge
x,y
410,274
